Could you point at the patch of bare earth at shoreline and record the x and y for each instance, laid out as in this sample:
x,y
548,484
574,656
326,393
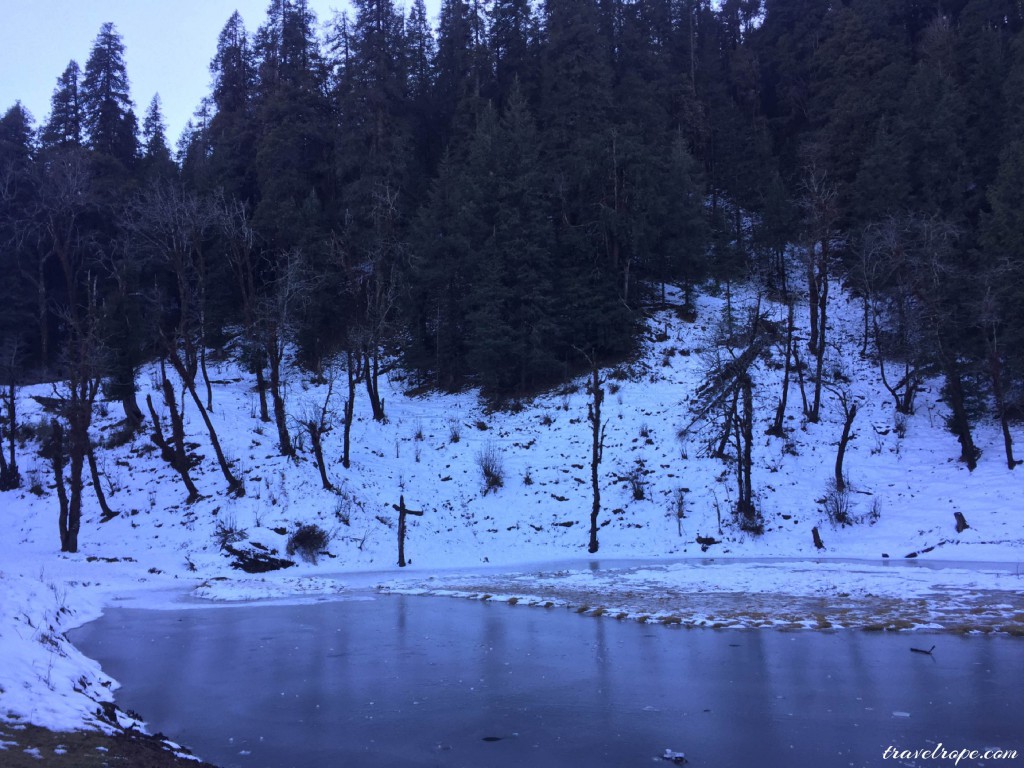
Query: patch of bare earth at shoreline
x,y
980,611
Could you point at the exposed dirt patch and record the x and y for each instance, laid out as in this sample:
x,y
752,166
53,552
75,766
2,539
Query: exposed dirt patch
x,y
954,611
27,746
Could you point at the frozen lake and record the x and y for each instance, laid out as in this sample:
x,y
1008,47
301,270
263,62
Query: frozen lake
x,y
418,681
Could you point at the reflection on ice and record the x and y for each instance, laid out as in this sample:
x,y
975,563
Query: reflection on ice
x,y
432,682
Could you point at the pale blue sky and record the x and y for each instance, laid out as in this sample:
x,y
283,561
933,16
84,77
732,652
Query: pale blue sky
x,y
168,46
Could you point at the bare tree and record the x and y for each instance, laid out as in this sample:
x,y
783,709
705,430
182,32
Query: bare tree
x,y
849,406
318,422
937,283
597,430
890,309
776,428
352,373
990,317
10,366
374,283
66,196
173,453
173,226
82,370
724,402
820,211
288,289
245,259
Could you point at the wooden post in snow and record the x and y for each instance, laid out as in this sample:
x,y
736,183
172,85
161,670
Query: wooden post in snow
x,y
402,512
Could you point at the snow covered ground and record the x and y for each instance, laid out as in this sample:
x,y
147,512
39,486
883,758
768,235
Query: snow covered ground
x,y
469,542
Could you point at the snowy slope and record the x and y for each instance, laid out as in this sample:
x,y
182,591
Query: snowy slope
x,y
159,547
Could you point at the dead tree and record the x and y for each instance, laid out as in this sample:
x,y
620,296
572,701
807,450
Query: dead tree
x,y
373,282
597,431
744,421
727,389
402,512
244,258
820,210
65,206
937,282
53,449
849,407
776,428
885,274
175,454
173,226
97,487
597,450
275,311
352,376
318,422
10,476
990,320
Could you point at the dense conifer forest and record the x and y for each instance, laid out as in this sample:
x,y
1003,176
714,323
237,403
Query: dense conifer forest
x,y
497,199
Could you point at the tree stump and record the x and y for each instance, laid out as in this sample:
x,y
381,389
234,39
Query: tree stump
x,y
961,522
818,543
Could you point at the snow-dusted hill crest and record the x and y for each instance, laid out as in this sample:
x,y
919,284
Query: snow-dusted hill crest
x,y
906,489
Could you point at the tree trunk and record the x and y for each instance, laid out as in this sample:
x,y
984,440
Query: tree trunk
x,y
78,449
596,451
42,307
780,412
206,375
371,372
133,416
995,369
851,414
101,497
350,405
10,477
318,452
812,301
819,350
744,460
800,380
261,390
968,451
234,486
176,456
56,451
284,440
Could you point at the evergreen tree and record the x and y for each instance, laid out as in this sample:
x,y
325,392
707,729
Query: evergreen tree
x,y
420,53
294,147
580,153
514,50
64,126
513,341
109,120
232,128
156,155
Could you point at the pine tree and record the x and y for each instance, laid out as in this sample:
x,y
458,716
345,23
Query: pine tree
x,y
232,128
580,152
514,50
420,52
109,120
156,155
64,126
513,342
294,148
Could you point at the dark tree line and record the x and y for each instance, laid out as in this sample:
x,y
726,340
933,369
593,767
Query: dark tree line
x,y
480,200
